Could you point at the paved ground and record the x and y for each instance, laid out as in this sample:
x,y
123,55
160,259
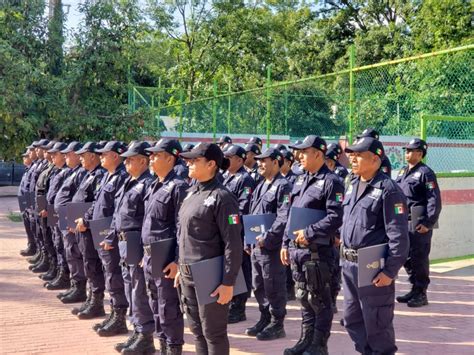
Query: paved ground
x,y
33,321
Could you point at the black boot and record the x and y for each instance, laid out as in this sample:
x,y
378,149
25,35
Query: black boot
x,y
117,324
418,300
35,258
143,344
303,342
319,345
52,272
83,306
406,297
95,308
37,262
175,350
78,295
43,266
265,318
29,251
102,324
60,295
274,330
61,282
163,347
237,310
131,339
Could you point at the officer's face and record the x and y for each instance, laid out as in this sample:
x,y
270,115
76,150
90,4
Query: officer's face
x,y
161,163
250,159
310,158
364,163
413,156
201,169
32,154
267,167
59,159
109,160
27,160
235,163
72,159
331,164
88,160
40,153
136,165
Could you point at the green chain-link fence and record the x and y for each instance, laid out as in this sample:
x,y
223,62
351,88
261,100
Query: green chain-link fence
x,y
391,97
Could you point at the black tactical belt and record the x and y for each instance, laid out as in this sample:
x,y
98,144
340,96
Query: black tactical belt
x,y
349,254
147,249
122,237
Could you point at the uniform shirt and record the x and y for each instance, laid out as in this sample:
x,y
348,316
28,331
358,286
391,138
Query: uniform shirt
x,y
181,169
40,166
421,188
291,177
378,216
23,188
297,169
69,187
209,226
322,191
386,166
254,174
242,186
129,205
56,182
90,185
273,197
42,183
341,171
162,203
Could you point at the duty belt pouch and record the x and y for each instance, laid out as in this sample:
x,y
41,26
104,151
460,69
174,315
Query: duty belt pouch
x,y
314,281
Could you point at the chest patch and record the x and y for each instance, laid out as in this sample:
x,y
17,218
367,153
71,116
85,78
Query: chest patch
x,y
375,194
208,202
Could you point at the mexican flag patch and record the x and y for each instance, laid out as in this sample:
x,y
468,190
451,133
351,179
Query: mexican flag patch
x,y
430,185
286,199
233,219
339,197
399,208
247,190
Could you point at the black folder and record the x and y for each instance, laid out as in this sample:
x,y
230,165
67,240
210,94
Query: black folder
x,y
22,202
76,210
62,217
257,224
207,275
417,213
41,203
131,249
99,228
163,252
53,217
300,218
371,261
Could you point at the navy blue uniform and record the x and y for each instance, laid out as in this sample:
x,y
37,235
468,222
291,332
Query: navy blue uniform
x,y
162,203
291,177
341,171
269,274
386,166
40,166
323,191
378,216
128,217
420,186
181,169
22,190
254,174
297,168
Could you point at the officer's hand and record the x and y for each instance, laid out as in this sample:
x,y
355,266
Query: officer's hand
x,y
70,230
285,260
422,229
176,279
299,238
225,294
141,263
106,246
44,213
382,280
171,270
337,241
80,227
260,241
248,250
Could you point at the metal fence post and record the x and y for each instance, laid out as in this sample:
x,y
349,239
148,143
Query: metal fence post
x,y
214,112
229,109
269,106
286,109
181,96
351,92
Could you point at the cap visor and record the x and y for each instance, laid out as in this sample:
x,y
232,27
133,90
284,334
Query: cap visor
x,y
155,149
128,154
191,155
102,150
355,148
67,150
300,146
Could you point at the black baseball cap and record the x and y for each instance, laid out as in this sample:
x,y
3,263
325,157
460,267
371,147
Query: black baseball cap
x,y
34,144
171,146
72,147
235,150
210,151
272,153
280,146
253,148
224,140
311,141
50,145
25,154
57,147
89,147
112,146
333,152
255,140
188,147
288,155
42,143
369,132
137,148
367,144
417,143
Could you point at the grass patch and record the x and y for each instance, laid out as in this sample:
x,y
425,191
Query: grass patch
x,y
14,217
457,258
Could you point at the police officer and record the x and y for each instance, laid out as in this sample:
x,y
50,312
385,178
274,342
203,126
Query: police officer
x,y
385,166
269,274
332,161
296,167
239,182
208,227
419,185
256,140
251,150
375,212
188,147
162,203
22,190
224,142
286,170
311,252
103,207
128,217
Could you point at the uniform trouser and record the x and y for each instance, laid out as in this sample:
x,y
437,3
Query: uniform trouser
x,y
336,279
114,281
92,263
29,232
238,302
316,309
269,276
208,323
141,314
74,257
34,229
48,239
368,314
417,264
164,302
58,240
290,283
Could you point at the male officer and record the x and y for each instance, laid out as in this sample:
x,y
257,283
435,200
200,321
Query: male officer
x,y
419,185
208,227
162,203
251,150
77,291
128,217
385,166
91,264
22,190
224,142
332,161
375,212
256,140
239,182
269,274
296,167
286,170
103,207
311,252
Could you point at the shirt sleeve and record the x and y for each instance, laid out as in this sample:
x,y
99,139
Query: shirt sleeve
x,y
179,194
245,195
273,238
433,200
